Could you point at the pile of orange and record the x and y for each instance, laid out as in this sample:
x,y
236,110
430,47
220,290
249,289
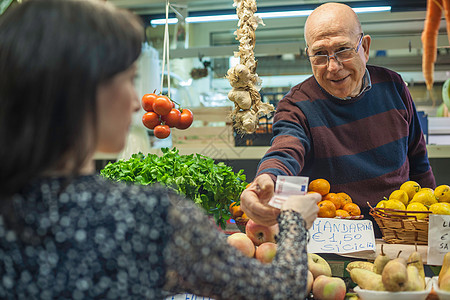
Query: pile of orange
x,y
333,204
236,212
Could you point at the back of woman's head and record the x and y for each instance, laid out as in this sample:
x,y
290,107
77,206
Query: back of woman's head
x,y
53,56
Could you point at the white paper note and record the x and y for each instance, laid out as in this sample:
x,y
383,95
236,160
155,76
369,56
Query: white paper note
x,y
288,186
438,239
328,235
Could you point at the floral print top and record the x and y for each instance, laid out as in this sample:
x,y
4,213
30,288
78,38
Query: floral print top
x,y
96,239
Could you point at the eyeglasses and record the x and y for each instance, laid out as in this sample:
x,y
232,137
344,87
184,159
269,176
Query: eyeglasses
x,y
340,56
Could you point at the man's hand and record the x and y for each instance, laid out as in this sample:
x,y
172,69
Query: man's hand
x,y
255,199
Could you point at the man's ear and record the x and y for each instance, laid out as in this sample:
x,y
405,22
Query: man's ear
x,y
366,46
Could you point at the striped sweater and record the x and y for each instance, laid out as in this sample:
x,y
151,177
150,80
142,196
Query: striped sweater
x,y
366,146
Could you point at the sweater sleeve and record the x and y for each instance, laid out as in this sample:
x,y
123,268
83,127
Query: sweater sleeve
x,y
291,141
198,260
420,169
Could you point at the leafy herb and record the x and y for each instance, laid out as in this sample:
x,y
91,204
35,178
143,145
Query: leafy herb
x,y
213,186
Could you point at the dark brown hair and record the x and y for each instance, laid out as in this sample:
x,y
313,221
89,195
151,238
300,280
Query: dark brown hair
x,y
53,56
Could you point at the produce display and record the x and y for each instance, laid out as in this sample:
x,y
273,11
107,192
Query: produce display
x,y
393,275
334,205
417,202
161,115
320,281
399,278
383,278
244,80
213,186
258,241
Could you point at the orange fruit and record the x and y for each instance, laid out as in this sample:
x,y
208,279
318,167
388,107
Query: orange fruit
x,y
353,209
235,210
321,186
326,209
347,198
336,199
342,213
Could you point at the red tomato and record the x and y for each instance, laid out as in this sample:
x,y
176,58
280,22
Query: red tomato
x,y
161,131
162,105
147,101
172,118
150,119
186,119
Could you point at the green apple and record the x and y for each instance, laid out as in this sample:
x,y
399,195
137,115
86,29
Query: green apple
x,y
318,266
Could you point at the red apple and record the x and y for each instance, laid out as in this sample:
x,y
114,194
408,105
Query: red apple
x,y
329,288
318,266
242,242
266,252
260,233
309,282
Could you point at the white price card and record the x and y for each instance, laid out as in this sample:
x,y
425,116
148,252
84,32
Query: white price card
x,y
328,235
438,238
288,186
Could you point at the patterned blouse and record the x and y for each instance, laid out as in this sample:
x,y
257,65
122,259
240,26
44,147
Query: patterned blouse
x,y
97,239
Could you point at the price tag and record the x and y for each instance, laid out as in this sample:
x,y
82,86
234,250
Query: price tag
x,y
438,239
328,235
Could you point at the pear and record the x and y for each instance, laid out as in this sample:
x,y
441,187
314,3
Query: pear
x,y
445,269
366,279
360,264
394,275
415,281
445,281
380,261
415,259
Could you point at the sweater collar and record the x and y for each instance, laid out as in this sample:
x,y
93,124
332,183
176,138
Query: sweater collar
x,y
366,85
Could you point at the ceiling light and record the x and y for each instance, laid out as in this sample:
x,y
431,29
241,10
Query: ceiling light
x,y
263,15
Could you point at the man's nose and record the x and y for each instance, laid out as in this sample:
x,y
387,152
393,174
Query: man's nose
x,y
333,62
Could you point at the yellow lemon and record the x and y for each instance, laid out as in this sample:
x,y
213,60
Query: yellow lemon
x,y
416,206
441,208
427,189
381,204
442,193
411,188
395,204
400,195
425,196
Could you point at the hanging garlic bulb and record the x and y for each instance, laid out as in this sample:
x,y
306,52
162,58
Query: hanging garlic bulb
x,y
244,80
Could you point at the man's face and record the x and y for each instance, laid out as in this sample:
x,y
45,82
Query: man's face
x,y
340,79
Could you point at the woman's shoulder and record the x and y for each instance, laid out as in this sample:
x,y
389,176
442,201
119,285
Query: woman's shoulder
x,y
127,193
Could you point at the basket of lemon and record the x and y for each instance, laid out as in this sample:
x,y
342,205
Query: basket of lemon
x,y
403,217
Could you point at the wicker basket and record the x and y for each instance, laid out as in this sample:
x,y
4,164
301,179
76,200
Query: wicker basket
x,y
400,226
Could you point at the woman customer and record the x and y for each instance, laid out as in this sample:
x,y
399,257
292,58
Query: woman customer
x,y
66,91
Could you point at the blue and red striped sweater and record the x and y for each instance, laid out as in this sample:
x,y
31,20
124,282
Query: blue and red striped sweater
x,y
366,146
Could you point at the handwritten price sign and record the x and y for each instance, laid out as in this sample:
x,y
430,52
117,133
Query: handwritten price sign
x,y
438,239
341,236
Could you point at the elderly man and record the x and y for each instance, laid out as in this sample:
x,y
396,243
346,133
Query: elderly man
x,y
351,123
